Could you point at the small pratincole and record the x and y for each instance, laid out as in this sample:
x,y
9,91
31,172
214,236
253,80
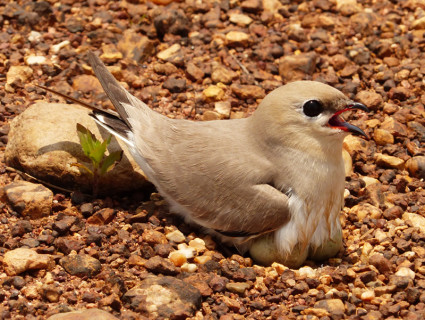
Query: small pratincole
x,y
272,183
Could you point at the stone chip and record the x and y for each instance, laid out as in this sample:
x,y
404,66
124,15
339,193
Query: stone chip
x,y
29,199
163,297
22,259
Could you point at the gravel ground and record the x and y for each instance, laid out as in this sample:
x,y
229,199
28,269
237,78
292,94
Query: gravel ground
x,y
207,60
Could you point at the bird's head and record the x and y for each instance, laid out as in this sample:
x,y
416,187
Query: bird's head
x,y
307,109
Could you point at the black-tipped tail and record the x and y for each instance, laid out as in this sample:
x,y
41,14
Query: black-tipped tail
x,y
113,125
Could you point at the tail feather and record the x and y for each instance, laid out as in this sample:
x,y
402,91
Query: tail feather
x,y
114,125
116,93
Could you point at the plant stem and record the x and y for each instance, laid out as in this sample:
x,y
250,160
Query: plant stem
x,y
95,179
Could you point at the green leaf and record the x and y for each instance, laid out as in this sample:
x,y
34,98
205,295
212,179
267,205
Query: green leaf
x,y
87,140
82,166
98,152
109,162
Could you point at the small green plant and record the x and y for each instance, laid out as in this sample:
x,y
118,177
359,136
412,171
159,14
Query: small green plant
x,y
95,151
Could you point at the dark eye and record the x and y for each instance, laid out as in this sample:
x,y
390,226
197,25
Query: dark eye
x,y
312,108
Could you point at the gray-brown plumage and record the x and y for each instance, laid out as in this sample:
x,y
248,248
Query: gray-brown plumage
x,y
279,171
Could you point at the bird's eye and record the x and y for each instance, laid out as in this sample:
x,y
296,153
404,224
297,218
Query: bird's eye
x,y
312,108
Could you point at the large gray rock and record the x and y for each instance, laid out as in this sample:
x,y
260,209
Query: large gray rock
x,y
43,142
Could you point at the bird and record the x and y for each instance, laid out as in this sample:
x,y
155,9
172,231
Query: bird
x,y
277,174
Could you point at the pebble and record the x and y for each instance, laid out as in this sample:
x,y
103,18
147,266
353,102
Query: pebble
x,y
20,228
253,6
177,258
271,6
202,259
296,32
22,259
355,144
194,73
64,224
69,244
163,298
31,291
296,67
110,53
51,292
387,161
418,24
102,217
162,2
165,68
396,128
373,123
368,295
29,199
188,252
307,272
383,265
416,167
370,99
240,19
418,128
154,237
406,272
366,210
383,137
34,36
391,61
417,220
86,83
223,75
17,74
380,235
86,209
393,213
379,291
237,38
189,267
35,60
135,46
85,314
248,91
57,47
198,244
334,306
158,264
366,250
214,93
238,287
174,85
173,22
347,7
317,312
223,108
74,24
399,93
209,115
169,53
81,265
176,236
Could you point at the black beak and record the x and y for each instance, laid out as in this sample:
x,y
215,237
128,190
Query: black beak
x,y
338,123
358,105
